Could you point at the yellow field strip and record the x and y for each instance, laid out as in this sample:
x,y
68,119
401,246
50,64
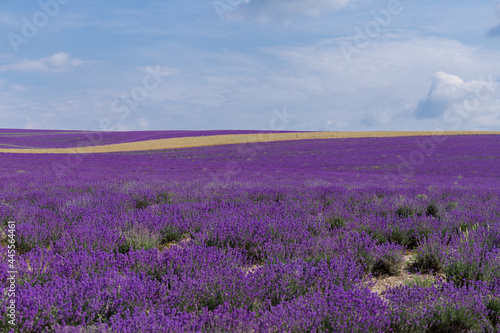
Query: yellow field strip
x,y
216,140
9,145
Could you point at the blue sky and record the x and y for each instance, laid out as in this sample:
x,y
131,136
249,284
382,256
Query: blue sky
x,y
250,64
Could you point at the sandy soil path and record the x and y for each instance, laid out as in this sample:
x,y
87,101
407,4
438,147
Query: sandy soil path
x,y
216,140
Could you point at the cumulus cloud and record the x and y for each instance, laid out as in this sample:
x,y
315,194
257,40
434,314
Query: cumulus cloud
x,y
378,90
446,90
455,100
267,10
59,62
382,85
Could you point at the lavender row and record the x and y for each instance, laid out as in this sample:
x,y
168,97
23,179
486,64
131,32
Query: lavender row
x,y
251,232
195,288
457,161
287,242
69,139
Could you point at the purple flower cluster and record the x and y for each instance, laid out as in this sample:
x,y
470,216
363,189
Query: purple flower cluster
x,y
445,307
152,242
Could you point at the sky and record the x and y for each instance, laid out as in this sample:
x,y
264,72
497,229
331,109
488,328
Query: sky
x,y
311,65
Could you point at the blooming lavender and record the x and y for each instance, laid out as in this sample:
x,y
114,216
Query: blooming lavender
x,y
151,242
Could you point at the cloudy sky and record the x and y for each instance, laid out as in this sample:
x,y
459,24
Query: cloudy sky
x,y
250,64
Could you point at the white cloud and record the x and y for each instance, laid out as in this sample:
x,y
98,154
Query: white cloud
x,y
59,62
378,90
267,10
475,102
391,72
383,83
309,7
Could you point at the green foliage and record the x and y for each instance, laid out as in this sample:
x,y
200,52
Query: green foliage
x,y
401,236
461,272
493,307
367,259
171,233
4,221
138,237
442,318
421,281
25,244
427,261
453,319
392,263
466,227
164,198
405,211
210,300
335,222
141,203
320,256
432,210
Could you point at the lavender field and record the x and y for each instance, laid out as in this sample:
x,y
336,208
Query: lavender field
x,y
26,139
268,237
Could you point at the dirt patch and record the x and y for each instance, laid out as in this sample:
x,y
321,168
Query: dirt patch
x,y
384,282
252,269
381,283
216,140
168,246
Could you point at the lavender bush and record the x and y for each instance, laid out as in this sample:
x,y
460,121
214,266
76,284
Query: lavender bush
x,y
172,241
